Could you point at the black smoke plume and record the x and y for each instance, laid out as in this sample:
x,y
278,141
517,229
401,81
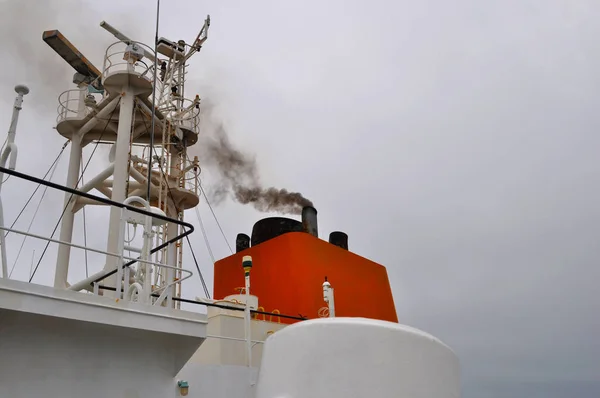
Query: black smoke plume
x,y
238,172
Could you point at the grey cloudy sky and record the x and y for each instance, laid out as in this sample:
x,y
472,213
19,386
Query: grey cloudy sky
x,y
455,142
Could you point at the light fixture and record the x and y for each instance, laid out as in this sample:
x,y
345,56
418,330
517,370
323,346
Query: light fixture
x,y
184,387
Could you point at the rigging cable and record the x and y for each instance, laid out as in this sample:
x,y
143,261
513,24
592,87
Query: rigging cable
x,y
32,220
202,281
214,215
152,122
38,187
206,292
206,242
187,238
212,257
199,182
71,197
84,230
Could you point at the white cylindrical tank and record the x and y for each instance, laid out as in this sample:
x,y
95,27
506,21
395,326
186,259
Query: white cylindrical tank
x,y
356,358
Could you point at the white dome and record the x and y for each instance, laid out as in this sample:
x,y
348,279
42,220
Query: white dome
x,y
356,358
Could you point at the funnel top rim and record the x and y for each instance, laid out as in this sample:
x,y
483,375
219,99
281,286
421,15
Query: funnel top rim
x,y
309,207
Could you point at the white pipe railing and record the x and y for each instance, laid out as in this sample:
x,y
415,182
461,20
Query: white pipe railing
x,y
111,65
88,281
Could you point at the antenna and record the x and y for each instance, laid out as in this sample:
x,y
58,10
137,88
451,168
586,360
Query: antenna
x,y
200,39
21,89
116,33
10,154
68,52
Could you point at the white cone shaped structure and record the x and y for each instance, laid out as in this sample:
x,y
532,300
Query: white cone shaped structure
x,y
356,358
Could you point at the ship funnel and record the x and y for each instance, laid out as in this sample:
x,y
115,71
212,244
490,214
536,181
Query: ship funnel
x,y
339,239
242,242
309,221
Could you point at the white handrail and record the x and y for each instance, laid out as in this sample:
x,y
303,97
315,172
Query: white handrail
x,y
69,102
67,105
102,273
110,64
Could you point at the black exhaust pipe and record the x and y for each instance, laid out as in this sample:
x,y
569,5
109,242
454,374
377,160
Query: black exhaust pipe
x,y
242,242
339,238
309,221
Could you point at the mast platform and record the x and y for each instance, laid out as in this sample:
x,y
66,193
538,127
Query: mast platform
x,y
94,113
102,120
184,196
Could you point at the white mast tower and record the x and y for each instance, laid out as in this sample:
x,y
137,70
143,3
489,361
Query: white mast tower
x,y
138,105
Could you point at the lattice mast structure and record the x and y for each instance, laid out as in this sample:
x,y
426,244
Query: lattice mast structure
x,y
138,105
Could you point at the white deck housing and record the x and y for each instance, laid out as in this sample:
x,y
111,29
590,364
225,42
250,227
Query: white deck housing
x,y
59,343
356,358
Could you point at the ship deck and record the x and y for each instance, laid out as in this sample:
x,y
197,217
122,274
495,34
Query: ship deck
x,y
30,298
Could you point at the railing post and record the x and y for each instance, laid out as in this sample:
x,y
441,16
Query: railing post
x,y
127,275
145,256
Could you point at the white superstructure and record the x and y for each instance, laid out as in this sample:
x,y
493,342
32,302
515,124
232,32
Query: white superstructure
x,y
121,332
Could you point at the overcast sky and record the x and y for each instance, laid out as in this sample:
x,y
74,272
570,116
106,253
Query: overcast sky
x,y
455,142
